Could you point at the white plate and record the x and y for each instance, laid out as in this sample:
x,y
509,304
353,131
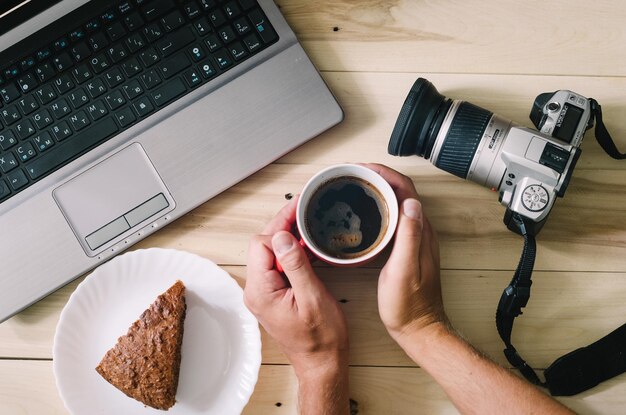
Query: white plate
x,y
221,352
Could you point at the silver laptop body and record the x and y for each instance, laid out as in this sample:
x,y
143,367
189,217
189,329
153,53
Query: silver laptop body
x,y
131,185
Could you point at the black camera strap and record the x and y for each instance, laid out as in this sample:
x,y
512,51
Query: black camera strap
x,y
574,372
602,134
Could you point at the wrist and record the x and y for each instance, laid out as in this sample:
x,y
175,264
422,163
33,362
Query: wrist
x,y
418,342
323,388
324,366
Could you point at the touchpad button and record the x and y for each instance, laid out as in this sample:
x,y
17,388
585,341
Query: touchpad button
x,y
107,202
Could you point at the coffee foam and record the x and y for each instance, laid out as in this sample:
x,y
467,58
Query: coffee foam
x,y
338,228
346,217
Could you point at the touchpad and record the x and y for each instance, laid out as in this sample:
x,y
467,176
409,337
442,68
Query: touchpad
x,y
110,200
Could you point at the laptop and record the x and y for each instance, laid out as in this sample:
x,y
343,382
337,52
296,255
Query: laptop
x,y
117,117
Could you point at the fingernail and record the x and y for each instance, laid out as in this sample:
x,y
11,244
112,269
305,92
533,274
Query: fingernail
x,y
412,208
282,242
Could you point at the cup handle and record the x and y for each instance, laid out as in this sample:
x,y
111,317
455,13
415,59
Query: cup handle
x,y
307,251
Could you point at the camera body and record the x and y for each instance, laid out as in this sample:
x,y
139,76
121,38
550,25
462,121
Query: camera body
x,y
528,168
531,168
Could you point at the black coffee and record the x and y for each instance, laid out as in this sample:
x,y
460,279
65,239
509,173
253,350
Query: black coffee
x,y
346,217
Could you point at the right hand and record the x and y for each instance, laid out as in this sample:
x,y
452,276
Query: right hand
x,y
409,289
296,309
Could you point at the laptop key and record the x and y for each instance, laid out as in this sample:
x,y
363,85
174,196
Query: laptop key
x,y
131,67
135,42
115,31
133,21
43,141
232,9
24,129
7,139
132,89
64,83
150,79
79,120
115,100
252,42
60,108
125,117
191,10
223,59
238,51
153,32
45,72
70,148
25,151
8,162
99,63
192,77
97,110
42,119
9,93
78,98
82,73
114,77
62,62
117,52
175,42
10,114
98,42
61,131
4,190
17,179
149,57
174,65
168,92
156,8
202,26
143,106
46,94
173,21
80,51
28,104
96,88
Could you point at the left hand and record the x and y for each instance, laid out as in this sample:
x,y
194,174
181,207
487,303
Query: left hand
x,y
297,311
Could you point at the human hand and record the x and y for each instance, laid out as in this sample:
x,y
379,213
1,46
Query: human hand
x,y
409,289
297,311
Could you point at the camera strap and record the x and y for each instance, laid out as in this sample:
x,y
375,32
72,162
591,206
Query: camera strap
x,y
574,372
602,134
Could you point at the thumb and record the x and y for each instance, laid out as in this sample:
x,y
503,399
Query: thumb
x,y
406,248
295,263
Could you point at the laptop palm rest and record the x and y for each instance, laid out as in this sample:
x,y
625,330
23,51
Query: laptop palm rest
x,y
112,199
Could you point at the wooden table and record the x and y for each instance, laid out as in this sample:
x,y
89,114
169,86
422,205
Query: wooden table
x,y
498,55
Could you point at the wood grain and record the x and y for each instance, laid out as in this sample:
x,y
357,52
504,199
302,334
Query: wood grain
x,y
451,36
549,328
498,55
27,388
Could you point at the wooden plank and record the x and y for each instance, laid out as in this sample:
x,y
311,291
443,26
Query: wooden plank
x,y
467,217
28,388
462,37
566,311
372,102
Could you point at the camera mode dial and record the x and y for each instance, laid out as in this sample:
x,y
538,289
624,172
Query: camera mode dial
x,y
535,198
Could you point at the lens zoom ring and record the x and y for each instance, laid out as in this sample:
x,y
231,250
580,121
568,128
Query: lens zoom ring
x,y
464,135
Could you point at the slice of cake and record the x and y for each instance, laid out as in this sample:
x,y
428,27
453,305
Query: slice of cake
x,y
144,364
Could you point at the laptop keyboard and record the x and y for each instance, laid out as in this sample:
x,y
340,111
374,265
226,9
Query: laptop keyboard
x,y
110,72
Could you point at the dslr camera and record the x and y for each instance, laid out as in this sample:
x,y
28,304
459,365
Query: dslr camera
x,y
529,168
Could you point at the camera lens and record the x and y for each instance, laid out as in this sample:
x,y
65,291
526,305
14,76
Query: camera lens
x,y
419,121
427,115
459,146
